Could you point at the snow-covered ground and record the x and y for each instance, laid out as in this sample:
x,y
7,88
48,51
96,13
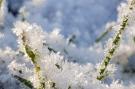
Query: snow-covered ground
x,y
60,36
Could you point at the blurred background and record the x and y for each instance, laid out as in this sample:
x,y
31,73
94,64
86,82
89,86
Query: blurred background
x,y
84,20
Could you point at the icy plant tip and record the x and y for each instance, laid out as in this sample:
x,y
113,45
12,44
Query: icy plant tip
x,y
116,40
26,34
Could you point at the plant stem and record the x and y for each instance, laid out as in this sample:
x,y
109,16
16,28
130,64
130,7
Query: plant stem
x,y
115,44
33,56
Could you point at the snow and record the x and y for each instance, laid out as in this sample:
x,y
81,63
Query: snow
x,y
60,36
